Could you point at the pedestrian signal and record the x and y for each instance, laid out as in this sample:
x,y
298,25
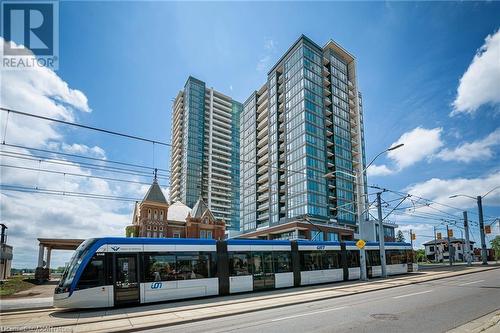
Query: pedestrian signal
x,y
487,229
439,236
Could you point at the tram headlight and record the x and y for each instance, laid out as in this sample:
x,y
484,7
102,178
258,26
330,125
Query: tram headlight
x,y
61,290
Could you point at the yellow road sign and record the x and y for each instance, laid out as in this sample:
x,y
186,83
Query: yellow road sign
x,y
360,244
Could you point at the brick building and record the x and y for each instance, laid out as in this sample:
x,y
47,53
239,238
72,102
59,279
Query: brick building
x,y
154,217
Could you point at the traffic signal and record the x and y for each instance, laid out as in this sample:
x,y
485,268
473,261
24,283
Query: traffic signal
x,y
413,236
439,236
487,229
450,233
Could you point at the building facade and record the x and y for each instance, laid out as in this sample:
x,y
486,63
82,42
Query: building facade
x,y
205,151
305,122
154,218
437,250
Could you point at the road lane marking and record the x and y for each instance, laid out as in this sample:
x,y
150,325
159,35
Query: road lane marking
x,y
464,284
419,293
308,313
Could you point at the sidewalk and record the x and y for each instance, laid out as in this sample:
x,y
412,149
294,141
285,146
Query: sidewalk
x,y
486,324
174,313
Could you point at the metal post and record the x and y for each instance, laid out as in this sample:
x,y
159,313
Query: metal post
x,y
359,205
449,245
484,255
381,236
467,242
435,245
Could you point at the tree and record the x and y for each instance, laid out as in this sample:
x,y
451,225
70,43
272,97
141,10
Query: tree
x,y
495,245
420,254
400,237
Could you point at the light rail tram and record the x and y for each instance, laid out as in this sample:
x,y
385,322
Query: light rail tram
x,y
107,272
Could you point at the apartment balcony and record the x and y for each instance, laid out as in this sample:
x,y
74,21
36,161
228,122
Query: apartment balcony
x,y
262,134
262,151
263,197
326,70
262,169
329,132
262,143
263,207
328,122
326,82
328,112
261,125
328,102
262,160
262,116
326,91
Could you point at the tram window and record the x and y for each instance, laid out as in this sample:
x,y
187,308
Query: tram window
x,y
282,262
160,267
331,260
239,264
352,259
184,266
193,267
93,275
373,257
310,260
394,257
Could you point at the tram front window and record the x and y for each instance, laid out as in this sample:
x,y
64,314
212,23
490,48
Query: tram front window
x,y
75,261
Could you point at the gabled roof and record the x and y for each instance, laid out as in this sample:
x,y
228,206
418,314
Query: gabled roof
x,y
155,194
199,209
178,212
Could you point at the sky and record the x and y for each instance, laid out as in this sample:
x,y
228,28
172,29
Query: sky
x,y
429,74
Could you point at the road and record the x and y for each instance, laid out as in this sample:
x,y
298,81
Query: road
x,y
434,306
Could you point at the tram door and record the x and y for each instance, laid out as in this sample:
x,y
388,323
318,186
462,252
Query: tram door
x,y
263,275
126,281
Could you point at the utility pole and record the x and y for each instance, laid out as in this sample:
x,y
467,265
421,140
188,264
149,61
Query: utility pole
x,y
412,253
359,206
467,243
435,245
381,236
484,255
449,245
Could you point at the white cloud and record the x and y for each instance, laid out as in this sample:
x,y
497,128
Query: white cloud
x,y
265,60
472,151
379,170
480,84
440,190
32,215
419,144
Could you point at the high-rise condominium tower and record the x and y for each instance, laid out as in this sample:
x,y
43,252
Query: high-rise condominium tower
x,y
301,141
205,151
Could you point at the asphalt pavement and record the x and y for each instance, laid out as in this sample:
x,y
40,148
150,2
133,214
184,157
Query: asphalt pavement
x,y
433,306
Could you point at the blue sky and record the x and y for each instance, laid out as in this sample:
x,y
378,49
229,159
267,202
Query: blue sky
x,y
130,59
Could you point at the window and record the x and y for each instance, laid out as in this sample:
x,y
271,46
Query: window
x,y
352,259
179,266
316,235
149,227
176,234
203,234
395,257
155,228
161,215
149,213
373,257
93,275
431,248
239,264
209,234
333,236
318,260
149,234
156,214
161,228
282,262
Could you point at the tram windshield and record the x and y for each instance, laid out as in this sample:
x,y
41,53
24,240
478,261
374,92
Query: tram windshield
x,y
75,261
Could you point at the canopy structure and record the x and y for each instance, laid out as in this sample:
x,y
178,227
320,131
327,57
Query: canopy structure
x,y
43,269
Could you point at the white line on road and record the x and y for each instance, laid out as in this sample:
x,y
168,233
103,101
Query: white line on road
x,y
308,313
464,284
408,295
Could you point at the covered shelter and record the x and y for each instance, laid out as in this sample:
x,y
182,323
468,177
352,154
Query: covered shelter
x,y
46,246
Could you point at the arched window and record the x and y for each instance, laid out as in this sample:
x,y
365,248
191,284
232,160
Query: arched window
x,y
149,213
161,215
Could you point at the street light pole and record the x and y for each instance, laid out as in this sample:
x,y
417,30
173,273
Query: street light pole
x,y
467,242
484,255
449,244
381,236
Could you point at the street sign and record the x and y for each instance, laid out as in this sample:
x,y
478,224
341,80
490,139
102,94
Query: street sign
x,y
439,236
487,229
450,233
360,244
